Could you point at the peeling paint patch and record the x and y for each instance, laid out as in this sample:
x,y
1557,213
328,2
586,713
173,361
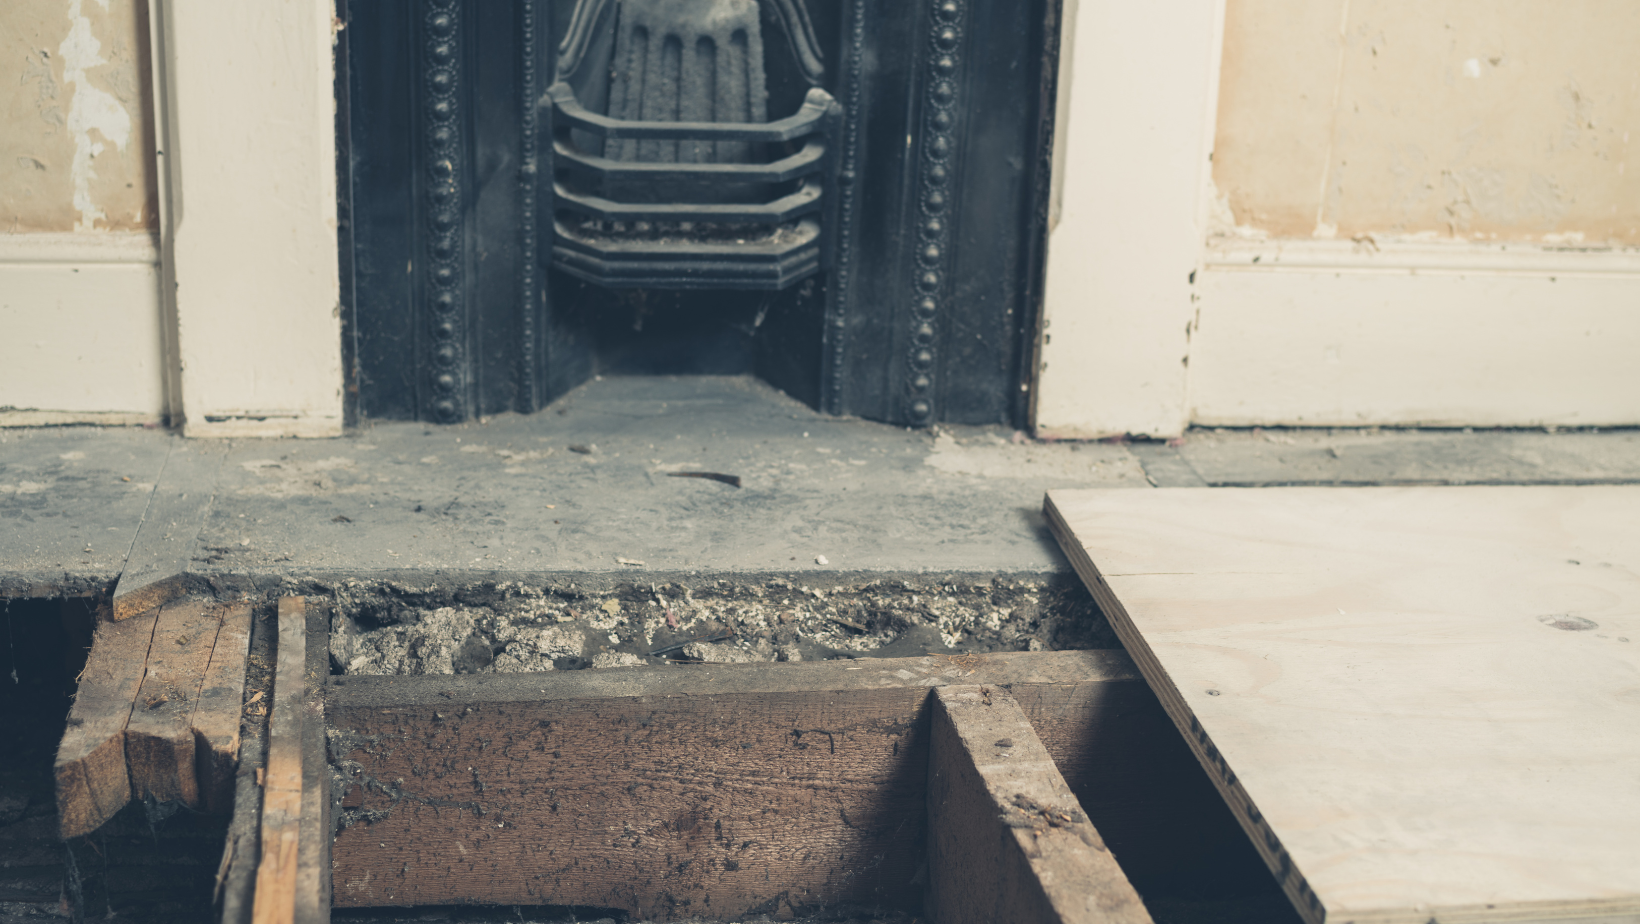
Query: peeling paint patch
x,y
90,110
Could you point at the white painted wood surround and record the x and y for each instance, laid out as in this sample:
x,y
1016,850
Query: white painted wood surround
x,y
228,320
249,152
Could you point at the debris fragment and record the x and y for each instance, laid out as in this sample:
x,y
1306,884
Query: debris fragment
x,y
821,560
627,561
732,481
585,449
847,622
718,654
616,659
722,636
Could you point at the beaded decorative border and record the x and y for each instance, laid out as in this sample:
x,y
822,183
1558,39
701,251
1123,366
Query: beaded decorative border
x,y
848,178
441,127
940,116
529,275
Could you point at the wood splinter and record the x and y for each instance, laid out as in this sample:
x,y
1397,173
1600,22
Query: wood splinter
x,y
276,874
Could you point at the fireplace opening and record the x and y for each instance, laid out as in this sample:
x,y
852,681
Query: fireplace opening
x,y
844,198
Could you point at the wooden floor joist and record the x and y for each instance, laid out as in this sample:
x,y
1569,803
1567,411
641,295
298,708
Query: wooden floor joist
x,y
1007,839
716,790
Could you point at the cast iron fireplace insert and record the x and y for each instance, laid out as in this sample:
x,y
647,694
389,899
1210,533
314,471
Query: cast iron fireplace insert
x,y
847,198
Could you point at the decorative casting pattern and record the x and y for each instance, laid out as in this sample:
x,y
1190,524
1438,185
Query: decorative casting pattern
x,y
938,148
441,128
529,277
836,328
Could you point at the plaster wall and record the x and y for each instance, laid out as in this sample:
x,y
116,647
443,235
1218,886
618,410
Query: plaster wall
x,y
76,125
1505,120
80,310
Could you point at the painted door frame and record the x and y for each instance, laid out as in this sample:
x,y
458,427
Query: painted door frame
x,y
246,111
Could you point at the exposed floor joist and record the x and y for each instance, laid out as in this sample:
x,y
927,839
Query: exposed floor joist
x,y
718,790
1008,840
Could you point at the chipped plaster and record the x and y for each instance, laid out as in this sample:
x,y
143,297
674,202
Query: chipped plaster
x,y
75,138
1503,121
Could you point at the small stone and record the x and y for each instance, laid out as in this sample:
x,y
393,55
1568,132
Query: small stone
x,y
718,654
821,560
616,659
1005,742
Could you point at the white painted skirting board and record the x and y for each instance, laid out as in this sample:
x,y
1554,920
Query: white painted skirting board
x,y
1341,333
81,338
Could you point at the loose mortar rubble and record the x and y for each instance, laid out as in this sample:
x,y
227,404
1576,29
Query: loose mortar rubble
x,y
383,628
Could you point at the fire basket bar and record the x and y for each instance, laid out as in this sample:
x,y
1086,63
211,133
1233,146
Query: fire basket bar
x,y
759,225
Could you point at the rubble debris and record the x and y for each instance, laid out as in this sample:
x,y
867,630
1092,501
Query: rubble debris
x,y
382,627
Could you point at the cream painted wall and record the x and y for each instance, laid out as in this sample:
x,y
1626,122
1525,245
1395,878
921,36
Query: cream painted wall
x,y
1464,119
80,316
1402,231
76,126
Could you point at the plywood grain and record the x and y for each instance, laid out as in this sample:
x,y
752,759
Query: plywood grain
x,y
1422,703
1007,839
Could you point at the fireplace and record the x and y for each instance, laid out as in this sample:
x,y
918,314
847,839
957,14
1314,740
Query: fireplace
x,y
846,198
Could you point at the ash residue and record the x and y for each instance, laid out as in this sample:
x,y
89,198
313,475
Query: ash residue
x,y
380,628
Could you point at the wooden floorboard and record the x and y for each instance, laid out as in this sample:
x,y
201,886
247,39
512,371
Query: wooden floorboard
x,y
217,712
1008,841
1420,702
159,740
92,779
717,790
276,899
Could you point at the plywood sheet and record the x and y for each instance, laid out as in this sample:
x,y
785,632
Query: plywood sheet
x,y
1422,703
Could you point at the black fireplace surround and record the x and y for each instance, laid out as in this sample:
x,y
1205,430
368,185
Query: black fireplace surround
x,y
847,198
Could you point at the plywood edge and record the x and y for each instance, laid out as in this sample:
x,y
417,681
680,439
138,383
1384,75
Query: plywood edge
x,y
1060,508
1006,836
1269,846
